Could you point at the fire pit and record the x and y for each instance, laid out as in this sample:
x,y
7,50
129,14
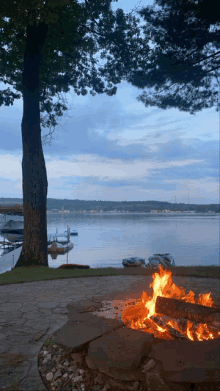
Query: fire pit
x,y
172,314
169,313
165,337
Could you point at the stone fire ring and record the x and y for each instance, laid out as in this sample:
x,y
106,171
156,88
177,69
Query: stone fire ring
x,y
119,351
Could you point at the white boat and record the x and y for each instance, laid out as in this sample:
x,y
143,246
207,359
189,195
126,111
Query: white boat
x,y
12,230
11,257
61,238
72,232
165,260
132,262
12,225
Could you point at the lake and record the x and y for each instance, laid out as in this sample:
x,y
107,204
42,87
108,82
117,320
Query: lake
x,y
105,239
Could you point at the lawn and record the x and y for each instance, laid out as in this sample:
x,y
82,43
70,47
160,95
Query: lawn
x,y
41,273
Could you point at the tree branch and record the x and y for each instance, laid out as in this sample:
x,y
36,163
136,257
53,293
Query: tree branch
x,y
214,54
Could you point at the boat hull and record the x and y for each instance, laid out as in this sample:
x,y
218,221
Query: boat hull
x,y
12,237
73,266
133,262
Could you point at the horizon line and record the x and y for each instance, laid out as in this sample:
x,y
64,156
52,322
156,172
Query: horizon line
x,y
76,199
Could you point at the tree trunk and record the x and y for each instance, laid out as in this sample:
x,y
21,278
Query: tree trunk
x,y
34,176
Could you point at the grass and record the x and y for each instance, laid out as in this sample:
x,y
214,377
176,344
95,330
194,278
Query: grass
x,y
42,273
49,342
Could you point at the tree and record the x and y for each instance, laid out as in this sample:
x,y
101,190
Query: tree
x,y
7,97
48,50
186,35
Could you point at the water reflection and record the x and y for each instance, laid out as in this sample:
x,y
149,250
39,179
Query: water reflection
x,y
104,239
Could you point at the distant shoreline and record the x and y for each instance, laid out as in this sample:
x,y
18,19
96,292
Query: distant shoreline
x,y
127,213
121,207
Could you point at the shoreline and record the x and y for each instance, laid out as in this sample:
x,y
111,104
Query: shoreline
x,y
37,273
181,271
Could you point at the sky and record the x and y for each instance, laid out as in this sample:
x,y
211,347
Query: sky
x,y
115,148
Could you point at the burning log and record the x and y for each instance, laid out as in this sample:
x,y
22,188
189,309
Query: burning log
x,y
174,318
173,333
180,309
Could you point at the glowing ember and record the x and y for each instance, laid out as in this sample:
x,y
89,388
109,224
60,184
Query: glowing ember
x,y
139,316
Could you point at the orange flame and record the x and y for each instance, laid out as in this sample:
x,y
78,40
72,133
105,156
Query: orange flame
x,y
138,316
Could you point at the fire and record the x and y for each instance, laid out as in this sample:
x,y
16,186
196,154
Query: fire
x,y
138,316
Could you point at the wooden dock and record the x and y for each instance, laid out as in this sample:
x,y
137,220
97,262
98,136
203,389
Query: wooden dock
x,y
16,209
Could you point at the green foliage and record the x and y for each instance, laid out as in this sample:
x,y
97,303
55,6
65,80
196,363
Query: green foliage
x,y
26,11
183,37
76,33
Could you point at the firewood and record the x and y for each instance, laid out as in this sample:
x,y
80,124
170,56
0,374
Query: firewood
x,y
215,319
180,309
173,333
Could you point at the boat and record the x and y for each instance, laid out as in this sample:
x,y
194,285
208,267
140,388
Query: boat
x,y
10,258
61,238
8,247
57,248
12,230
11,254
133,262
165,260
73,266
72,232
12,237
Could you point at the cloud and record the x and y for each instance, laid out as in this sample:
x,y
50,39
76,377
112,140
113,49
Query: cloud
x,y
115,147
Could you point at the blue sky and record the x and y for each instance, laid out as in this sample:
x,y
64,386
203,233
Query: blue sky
x,y
114,148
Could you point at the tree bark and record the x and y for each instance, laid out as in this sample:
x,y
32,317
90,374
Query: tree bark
x,y
34,176
180,309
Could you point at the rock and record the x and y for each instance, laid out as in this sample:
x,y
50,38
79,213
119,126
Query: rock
x,y
77,358
68,371
189,361
103,355
98,379
154,380
149,365
56,375
82,326
49,376
119,353
117,386
96,387
77,378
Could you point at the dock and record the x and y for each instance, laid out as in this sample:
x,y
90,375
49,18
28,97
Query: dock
x,y
16,209
12,256
11,249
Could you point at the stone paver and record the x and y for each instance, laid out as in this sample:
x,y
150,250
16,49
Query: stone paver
x,y
32,311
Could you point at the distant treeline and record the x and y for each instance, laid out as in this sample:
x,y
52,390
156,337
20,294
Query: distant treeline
x,y
130,206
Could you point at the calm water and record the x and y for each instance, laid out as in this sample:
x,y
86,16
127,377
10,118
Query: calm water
x,y
105,239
